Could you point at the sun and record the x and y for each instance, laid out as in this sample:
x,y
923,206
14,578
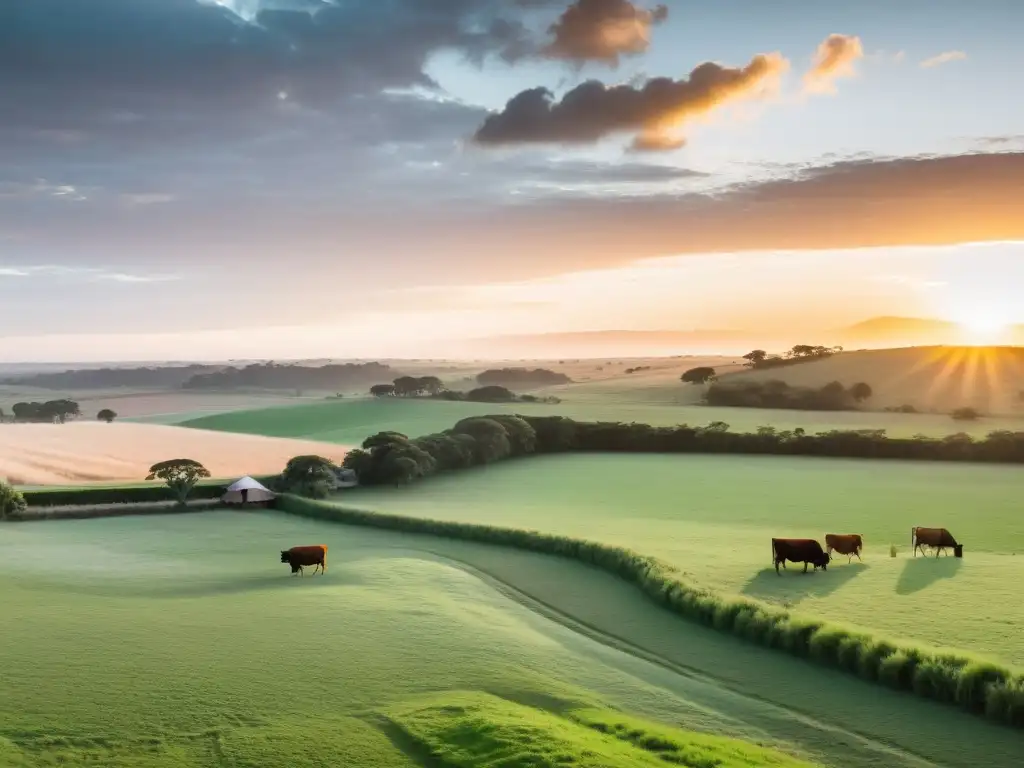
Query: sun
x,y
981,326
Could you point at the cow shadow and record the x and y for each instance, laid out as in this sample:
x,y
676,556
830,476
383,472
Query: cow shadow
x,y
791,584
922,572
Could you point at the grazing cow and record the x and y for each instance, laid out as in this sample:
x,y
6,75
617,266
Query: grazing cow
x,y
296,557
799,551
939,538
848,544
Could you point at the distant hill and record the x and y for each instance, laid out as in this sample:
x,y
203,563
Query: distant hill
x,y
165,377
275,376
873,333
618,344
990,379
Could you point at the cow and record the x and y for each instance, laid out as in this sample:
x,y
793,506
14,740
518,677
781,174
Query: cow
x,y
848,544
939,538
806,551
297,557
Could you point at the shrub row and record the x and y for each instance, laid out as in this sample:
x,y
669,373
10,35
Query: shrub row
x,y
110,510
91,496
391,457
975,685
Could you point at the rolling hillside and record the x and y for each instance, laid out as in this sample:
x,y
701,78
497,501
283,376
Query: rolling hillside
x,y
940,379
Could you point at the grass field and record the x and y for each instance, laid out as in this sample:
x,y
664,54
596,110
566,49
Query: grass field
x,y
714,516
180,640
350,422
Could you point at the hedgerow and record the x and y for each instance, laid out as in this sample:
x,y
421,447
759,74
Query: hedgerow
x,y
86,496
975,685
394,458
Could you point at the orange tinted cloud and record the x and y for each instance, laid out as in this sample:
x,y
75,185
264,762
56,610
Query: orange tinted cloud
x,y
650,111
602,30
834,59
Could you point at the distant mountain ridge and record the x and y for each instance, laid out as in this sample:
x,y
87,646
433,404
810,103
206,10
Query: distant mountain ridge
x,y
875,332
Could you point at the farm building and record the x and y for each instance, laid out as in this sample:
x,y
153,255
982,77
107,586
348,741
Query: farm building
x,y
247,491
345,478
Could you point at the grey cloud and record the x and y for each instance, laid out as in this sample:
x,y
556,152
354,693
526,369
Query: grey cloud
x,y
652,112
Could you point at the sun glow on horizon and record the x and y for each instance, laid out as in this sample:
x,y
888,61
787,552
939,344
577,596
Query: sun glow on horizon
x,y
981,326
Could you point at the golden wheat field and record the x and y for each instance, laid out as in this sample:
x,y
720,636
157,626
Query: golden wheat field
x,y
58,454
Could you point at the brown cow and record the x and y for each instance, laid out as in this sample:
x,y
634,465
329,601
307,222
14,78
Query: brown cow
x,y
848,544
799,551
939,538
314,554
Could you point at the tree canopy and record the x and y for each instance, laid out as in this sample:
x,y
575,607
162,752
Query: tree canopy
x,y
106,415
699,375
181,476
12,503
308,475
49,411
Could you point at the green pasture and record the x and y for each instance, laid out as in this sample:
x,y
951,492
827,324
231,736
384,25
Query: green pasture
x,y
181,640
350,422
714,516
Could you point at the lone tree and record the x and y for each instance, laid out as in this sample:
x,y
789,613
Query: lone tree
x,y
382,390
181,476
755,358
700,375
106,415
861,391
308,475
12,503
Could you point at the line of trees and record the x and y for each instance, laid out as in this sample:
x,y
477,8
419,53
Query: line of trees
x,y
431,386
298,377
409,386
778,394
49,412
395,458
521,377
759,359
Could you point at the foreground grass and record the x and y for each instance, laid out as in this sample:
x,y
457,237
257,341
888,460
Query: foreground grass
x,y
480,731
714,516
182,641
349,422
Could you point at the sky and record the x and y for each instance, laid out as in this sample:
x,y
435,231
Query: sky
x,y
204,179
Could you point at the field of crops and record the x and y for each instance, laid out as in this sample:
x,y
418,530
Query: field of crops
x,y
349,422
180,640
714,516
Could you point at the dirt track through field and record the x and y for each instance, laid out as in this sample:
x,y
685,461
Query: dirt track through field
x,y
62,454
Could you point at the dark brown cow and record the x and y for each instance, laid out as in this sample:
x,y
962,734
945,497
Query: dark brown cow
x,y
848,544
297,557
939,538
799,551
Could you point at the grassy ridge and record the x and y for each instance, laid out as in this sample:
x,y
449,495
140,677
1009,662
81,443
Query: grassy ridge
x,y
484,731
976,685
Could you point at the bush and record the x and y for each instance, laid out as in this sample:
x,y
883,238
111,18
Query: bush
x,y
12,502
965,414
981,687
778,394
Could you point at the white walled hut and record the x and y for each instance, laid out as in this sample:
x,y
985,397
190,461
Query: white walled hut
x,y
247,491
